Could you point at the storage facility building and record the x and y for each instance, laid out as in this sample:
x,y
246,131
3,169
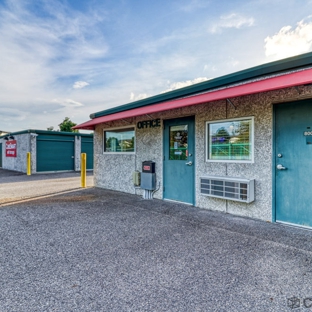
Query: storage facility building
x,y
240,143
50,151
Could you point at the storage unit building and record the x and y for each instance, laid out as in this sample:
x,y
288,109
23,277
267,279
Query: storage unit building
x,y
241,143
51,151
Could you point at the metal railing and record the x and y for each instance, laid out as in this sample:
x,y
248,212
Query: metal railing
x,y
230,150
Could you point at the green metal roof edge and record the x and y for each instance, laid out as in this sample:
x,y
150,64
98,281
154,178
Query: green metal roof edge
x,y
48,132
279,66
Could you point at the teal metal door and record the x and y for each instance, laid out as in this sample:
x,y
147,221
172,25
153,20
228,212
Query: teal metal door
x,y
179,160
55,153
87,147
293,163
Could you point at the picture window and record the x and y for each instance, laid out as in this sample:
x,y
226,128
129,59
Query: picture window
x,y
230,140
119,140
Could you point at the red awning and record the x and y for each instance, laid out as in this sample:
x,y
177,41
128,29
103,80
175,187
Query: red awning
x,y
273,83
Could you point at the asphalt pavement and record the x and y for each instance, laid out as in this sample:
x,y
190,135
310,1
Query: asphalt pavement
x,y
99,250
16,186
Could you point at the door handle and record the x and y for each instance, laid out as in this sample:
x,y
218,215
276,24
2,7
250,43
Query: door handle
x,y
280,167
189,163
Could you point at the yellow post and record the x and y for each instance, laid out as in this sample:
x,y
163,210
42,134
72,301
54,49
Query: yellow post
x,y
28,163
83,166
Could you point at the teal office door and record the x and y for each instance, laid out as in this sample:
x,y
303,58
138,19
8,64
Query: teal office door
x,y
293,163
179,158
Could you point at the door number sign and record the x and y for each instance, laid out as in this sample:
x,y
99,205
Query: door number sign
x,y
308,135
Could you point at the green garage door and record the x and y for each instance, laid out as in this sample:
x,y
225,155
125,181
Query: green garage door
x,y
87,147
55,153
0,155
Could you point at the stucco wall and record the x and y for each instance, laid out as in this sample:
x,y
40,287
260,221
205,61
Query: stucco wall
x,y
77,153
113,171
18,163
33,151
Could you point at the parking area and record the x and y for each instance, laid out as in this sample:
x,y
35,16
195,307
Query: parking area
x,y
16,186
99,250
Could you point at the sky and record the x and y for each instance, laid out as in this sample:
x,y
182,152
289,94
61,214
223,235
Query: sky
x,y
72,58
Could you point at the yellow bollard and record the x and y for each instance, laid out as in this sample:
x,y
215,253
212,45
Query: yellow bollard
x,y
83,166
28,163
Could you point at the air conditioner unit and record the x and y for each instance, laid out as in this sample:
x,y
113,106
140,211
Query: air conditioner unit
x,y
237,189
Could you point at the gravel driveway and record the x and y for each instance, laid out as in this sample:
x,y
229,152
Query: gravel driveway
x,y
98,250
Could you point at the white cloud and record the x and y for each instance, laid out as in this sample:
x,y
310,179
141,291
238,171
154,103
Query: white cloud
x,y
37,52
67,102
80,84
51,50
182,84
40,55
172,86
140,96
288,41
7,112
232,21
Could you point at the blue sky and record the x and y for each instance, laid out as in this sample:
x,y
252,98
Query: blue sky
x,y
71,58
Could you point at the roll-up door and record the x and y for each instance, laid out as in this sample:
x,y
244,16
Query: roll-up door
x,y
87,147
55,152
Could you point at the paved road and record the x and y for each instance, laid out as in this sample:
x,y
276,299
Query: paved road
x,y
99,250
15,186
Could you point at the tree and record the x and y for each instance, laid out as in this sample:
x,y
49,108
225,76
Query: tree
x,y
66,125
222,135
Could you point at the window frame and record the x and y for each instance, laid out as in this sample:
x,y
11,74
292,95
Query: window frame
x,y
120,128
207,140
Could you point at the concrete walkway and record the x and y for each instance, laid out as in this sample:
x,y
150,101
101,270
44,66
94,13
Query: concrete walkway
x,y
98,250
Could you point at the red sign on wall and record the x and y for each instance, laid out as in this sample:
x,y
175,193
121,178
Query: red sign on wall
x,y
10,148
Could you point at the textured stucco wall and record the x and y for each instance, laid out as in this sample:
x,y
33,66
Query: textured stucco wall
x,y
18,163
77,153
33,151
113,171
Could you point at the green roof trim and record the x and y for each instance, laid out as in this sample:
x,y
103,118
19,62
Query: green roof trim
x,y
280,66
48,132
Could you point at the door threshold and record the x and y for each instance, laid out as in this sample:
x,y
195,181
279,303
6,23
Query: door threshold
x,y
178,202
295,225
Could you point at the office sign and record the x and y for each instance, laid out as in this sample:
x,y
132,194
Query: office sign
x,y
155,123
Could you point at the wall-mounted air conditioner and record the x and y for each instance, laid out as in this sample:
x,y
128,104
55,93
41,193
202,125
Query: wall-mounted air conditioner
x,y
238,189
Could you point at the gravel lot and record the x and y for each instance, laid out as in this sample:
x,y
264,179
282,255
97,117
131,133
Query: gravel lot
x,y
97,250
